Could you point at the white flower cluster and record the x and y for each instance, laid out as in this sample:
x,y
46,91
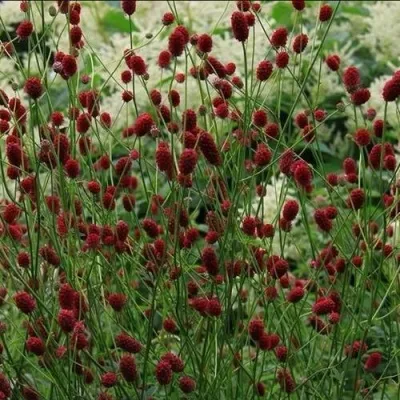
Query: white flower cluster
x,y
383,30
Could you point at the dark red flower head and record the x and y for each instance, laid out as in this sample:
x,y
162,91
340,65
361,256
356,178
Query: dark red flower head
x,y
25,302
176,43
351,78
33,87
333,62
264,70
163,372
299,5
279,37
240,26
282,59
129,6
300,43
24,29
325,13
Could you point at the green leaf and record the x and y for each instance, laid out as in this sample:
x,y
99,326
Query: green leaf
x,y
282,13
114,20
355,10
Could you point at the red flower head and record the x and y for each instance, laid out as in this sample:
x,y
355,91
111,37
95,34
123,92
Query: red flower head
x,y
249,225
25,302
128,343
299,5
117,301
164,59
295,294
137,65
260,118
301,120
240,26
263,155
23,259
391,90
24,29
243,5
11,213
360,96
33,87
264,70
83,123
127,96
209,149
290,210
282,59
174,98
109,379
155,97
169,325
164,159
214,66
222,111
126,76
333,62
356,199
127,366
204,43
35,345
324,305
163,372
150,227
129,6
187,384
66,296
272,130
66,320
379,154
5,386
322,220
378,127
281,353
256,329
302,174
286,380
214,308
351,78
72,168
355,349
373,361
300,43
279,37
168,19
362,137
325,13
271,293
29,393
187,161
75,34
189,120
210,260
143,124
69,65
122,230
176,43
230,68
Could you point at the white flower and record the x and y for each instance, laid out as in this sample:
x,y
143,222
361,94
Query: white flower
x,y
383,30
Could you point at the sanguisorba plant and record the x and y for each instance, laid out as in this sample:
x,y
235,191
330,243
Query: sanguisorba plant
x,y
152,261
